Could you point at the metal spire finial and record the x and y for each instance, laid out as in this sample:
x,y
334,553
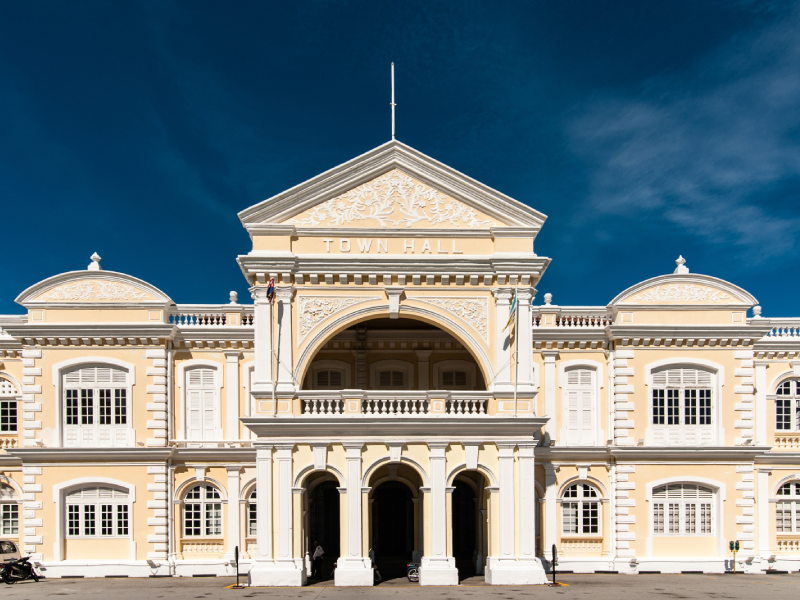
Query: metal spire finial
x,y
393,104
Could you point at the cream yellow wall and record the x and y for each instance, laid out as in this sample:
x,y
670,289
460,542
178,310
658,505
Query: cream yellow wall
x,y
153,315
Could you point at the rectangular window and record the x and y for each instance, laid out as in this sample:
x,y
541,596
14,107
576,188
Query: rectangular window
x,y
72,407
120,407
691,518
658,518
674,518
106,519
705,406
88,519
690,407
193,520
105,406
658,407
9,524
74,519
8,416
87,407
122,519
705,518
590,519
570,517
213,519
673,407
783,409
252,519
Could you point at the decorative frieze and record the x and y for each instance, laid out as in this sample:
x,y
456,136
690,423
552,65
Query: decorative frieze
x,y
106,291
682,292
473,311
315,309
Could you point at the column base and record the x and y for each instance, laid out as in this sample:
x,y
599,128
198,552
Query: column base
x,y
438,571
354,573
277,574
515,572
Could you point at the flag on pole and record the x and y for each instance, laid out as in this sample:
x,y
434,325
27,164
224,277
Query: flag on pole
x,y
271,291
513,312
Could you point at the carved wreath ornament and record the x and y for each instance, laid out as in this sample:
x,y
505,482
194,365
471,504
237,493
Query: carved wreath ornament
x,y
104,290
384,199
682,292
473,311
315,309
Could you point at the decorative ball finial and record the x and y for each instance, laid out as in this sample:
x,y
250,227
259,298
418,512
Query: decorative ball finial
x,y
234,297
95,264
548,297
681,268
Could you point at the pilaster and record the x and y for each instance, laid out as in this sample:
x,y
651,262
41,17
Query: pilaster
x,y
503,356
232,395
523,334
234,526
263,340
438,568
284,294
353,569
550,357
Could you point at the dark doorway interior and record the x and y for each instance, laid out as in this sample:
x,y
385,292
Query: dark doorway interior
x,y
324,523
392,528
464,519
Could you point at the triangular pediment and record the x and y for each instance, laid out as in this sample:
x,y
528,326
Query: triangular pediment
x,y
392,186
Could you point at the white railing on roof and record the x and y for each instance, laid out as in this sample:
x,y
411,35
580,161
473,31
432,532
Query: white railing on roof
x,y
783,328
575,317
385,403
210,315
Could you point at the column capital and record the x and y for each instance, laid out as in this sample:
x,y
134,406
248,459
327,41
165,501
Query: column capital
x,y
233,469
284,293
259,294
526,294
550,356
232,356
503,295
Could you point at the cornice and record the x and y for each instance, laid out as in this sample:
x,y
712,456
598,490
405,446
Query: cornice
x,y
779,458
391,155
380,429
687,332
39,455
688,453
88,334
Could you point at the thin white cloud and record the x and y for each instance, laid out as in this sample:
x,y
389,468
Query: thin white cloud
x,y
713,149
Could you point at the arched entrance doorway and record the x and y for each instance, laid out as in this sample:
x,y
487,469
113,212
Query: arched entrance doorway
x,y
323,517
468,523
395,534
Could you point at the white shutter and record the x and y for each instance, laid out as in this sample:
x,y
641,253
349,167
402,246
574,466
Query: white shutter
x,y
194,418
579,398
573,418
586,414
208,415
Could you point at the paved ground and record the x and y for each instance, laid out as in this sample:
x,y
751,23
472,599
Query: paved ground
x,y
600,587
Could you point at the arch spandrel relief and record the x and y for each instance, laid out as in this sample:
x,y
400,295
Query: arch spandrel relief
x,y
394,200
95,291
682,293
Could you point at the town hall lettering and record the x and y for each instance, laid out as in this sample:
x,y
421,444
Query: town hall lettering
x,y
381,246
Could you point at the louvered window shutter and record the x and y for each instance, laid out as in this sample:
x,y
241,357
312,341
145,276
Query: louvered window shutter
x,y
580,406
573,417
201,407
586,411
194,420
208,414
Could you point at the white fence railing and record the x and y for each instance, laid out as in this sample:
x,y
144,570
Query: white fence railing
x,y
379,403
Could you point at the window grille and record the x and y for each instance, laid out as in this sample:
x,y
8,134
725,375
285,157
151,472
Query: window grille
x,y
580,510
787,406
788,508
682,509
97,512
202,512
681,406
9,510
252,515
96,407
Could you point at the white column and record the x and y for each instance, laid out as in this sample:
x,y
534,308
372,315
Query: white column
x,y
284,497
438,568
232,395
234,526
353,568
550,507
506,485
262,336
503,357
524,337
527,503
761,402
284,295
762,511
264,500
550,357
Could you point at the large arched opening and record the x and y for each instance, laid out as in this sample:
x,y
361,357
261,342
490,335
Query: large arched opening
x,y
395,519
468,523
323,518
394,354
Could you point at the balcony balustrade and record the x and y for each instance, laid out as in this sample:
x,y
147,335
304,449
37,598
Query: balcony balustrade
x,y
377,403
784,329
211,315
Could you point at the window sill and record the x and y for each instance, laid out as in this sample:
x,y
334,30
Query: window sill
x,y
580,536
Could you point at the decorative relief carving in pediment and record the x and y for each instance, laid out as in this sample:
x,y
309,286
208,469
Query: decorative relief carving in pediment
x,y
473,311
393,199
683,293
315,309
94,291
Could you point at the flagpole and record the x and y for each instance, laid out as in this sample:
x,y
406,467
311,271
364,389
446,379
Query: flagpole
x,y
516,346
273,365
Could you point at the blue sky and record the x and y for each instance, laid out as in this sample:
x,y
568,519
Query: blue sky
x,y
643,129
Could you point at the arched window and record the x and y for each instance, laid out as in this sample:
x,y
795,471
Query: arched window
x,y
9,511
97,512
202,512
579,399
787,406
328,375
97,407
202,413
580,510
788,508
454,375
252,515
8,406
391,375
683,509
681,406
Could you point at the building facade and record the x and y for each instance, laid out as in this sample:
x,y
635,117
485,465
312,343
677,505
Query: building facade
x,y
399,397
